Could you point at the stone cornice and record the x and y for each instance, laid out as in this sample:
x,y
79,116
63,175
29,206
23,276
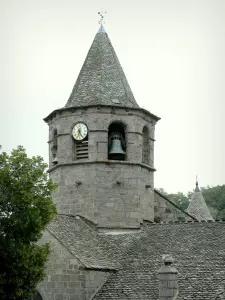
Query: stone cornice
x,y
107,162
73,109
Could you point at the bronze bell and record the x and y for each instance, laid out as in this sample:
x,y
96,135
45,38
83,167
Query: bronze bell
x,y
116,151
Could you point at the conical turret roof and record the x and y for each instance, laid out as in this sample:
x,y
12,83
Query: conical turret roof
x,y
101,80
197,207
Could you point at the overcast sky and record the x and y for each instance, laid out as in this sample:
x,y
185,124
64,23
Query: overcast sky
x,y
172,52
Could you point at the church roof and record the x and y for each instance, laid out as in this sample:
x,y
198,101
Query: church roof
x,y
79,238
197,247
101,80
197,207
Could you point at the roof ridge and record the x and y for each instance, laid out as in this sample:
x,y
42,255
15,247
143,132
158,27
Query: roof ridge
x,y
146,223
102,262
87,222
119,71
75,255
175,205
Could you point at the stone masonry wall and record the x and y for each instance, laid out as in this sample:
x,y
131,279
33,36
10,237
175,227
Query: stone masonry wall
x,y
165,211
66,278
110,194
98,121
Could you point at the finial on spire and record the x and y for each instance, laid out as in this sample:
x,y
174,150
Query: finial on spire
x,y
102,15
196,185
101,21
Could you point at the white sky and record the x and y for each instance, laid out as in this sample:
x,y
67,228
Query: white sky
x,y
172,52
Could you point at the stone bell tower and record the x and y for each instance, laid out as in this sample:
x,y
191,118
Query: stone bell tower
x,y
101,145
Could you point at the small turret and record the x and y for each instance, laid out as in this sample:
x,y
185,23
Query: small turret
x,y
198,207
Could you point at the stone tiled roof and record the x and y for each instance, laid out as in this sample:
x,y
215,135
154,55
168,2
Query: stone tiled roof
x,y
197,207
101,80
82,240
197,247
199,253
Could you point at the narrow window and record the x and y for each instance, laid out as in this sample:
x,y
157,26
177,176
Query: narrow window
x,y
54,147
116,142
145,147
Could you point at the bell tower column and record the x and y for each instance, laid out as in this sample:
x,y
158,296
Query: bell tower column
x,y
96,145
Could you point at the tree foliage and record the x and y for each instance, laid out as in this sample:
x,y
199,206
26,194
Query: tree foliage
x,y
214,198
25,210
179,198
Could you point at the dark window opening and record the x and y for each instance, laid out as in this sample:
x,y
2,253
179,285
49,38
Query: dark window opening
x,y
116,142
54,147
145,147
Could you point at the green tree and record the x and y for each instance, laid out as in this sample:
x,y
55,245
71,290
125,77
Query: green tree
x,y
215,198
180,199
25,210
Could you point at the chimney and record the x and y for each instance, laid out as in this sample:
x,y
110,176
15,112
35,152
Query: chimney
x,y
168,288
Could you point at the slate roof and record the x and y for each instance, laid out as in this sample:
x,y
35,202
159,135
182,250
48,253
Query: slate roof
x,y
78,237
197,206
101,80
198,249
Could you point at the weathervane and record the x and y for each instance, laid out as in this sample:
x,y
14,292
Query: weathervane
x,y
101,14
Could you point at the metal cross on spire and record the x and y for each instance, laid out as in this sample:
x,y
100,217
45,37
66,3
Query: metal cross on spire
x,y
102,15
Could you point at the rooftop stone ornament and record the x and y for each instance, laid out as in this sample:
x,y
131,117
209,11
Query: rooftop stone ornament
x,y
168,288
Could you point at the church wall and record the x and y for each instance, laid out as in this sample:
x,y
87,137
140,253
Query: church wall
x,y
164,211
66,277
94,280
110,194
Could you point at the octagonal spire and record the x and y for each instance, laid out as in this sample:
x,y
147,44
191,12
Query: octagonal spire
x,y
101,80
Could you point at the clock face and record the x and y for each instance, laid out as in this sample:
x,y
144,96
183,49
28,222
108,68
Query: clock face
x,y
79,131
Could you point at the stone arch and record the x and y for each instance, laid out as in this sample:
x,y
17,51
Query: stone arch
x,y
145,146
117,140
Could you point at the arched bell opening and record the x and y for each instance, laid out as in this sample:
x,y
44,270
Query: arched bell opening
x,y
54,147
145,146
116,141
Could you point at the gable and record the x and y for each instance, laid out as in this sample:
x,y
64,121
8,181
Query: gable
x,y
167,211
66,275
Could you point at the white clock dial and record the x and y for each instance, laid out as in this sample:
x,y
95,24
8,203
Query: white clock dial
x,y
79,131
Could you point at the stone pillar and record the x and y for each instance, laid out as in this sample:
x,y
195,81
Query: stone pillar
x,y
168,288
